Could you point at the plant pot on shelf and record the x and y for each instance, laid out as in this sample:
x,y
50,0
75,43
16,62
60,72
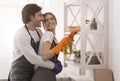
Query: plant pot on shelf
x,y
76,56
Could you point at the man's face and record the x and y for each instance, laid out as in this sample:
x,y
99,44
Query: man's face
x,y
37,18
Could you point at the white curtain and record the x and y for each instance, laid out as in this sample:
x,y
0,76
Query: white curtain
x,y
10,22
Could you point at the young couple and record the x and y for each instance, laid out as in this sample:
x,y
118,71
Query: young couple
x,y
35,54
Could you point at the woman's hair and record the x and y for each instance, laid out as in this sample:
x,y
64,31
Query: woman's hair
x,y
28,10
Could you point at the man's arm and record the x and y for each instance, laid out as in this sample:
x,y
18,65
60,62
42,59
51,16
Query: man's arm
x,y
24,45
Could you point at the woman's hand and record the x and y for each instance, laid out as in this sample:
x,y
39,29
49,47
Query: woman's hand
x,y
58,67
73,33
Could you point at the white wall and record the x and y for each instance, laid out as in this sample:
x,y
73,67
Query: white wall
x,y
114,38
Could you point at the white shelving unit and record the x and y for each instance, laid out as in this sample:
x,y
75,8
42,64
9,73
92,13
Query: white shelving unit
x,y
93,42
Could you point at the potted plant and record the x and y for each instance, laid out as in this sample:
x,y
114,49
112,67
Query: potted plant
x,y
76,56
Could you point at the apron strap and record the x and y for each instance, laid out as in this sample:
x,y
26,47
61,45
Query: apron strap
x,y
30,34
33,43
38,33
9,77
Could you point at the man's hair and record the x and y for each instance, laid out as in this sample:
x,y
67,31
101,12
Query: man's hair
x,y
28,10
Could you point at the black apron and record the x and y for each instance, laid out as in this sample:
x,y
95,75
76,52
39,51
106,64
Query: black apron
x,y
44,74
22,69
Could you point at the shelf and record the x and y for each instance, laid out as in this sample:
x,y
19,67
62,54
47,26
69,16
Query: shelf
x,y
73,2
88,39
67,33
94,32
72,63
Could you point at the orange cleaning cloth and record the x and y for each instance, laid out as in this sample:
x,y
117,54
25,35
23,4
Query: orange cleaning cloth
x,y
65,41
72,34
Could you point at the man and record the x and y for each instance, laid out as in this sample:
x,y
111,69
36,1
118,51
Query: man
x,y
26,44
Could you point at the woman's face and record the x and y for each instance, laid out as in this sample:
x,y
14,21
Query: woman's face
x,y
50,22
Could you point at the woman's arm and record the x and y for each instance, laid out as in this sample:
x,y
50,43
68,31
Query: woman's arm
x,y
48,37
46,52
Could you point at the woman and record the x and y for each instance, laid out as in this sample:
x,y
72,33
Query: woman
x,y
48,41
49,49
